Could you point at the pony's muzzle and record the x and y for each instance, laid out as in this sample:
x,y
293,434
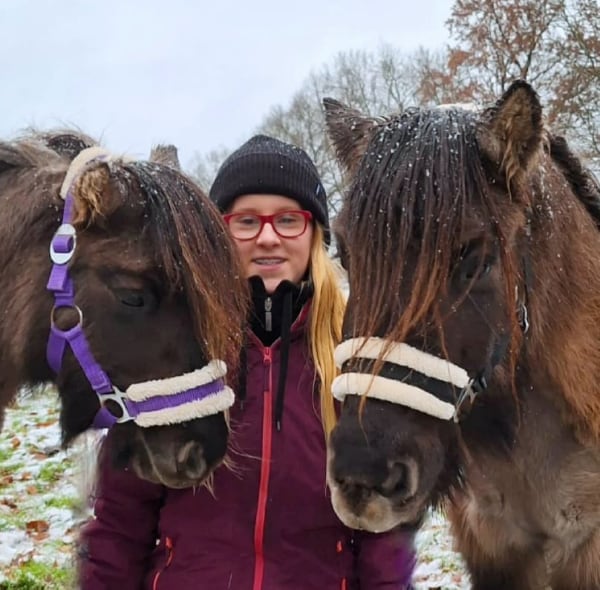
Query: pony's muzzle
x,y
395,480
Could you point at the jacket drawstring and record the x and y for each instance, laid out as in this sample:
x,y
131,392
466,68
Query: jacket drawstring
x,y
243,369
286,323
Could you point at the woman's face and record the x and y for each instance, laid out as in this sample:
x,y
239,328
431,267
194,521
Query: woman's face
x,y
270,256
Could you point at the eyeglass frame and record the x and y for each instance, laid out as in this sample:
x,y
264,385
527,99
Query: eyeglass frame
x,y
308,217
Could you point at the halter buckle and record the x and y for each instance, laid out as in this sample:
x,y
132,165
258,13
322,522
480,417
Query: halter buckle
x,y
120,399
470,392
66,230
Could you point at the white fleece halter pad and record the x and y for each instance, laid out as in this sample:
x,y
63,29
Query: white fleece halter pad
x,y
207,406
391,390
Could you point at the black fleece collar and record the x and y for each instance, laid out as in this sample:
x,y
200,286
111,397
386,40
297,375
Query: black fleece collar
x,y
267,313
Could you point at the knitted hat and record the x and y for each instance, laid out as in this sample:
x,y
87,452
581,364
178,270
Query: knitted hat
x,y
265,165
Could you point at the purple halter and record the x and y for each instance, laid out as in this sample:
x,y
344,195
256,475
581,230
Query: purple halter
x,y
151,403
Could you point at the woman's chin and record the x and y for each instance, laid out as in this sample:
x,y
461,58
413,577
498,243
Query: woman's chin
x,y
271,283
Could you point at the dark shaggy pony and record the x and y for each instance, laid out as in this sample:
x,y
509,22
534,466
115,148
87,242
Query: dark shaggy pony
x,y
157,294
473,336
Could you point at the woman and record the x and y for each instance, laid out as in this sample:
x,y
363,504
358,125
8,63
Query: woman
x,y
267,523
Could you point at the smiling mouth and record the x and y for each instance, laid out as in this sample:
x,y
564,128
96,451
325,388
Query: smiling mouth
x,y
268,261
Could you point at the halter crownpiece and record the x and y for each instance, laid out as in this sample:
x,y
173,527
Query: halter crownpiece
x,y
150,403
390,389
80,163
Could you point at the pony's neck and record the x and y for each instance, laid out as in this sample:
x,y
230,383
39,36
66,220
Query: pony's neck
x,y
31,212
564,302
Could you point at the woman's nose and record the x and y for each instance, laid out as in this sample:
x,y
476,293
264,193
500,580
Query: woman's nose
x,y
267,234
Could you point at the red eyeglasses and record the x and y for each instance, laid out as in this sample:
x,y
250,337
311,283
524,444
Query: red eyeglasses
x,y
286,224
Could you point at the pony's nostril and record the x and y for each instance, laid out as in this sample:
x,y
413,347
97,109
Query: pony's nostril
x,y
191,461
353,488
400,482
396,483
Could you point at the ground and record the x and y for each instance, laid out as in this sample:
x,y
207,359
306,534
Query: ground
x,y
42,504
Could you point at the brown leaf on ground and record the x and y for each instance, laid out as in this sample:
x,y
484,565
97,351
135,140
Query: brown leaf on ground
x,y
37,526
50,422
9,503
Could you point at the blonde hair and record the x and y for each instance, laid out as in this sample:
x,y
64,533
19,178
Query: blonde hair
x,y
325,322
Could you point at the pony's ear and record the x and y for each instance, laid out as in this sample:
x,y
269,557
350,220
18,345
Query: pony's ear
x,y
11,157
67,144
350,132
96,197
165,154
512,130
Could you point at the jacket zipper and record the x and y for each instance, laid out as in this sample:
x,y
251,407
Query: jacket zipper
x,y
268,314
169,552
265,468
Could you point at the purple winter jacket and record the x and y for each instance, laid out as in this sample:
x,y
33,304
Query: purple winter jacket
x,y
270,524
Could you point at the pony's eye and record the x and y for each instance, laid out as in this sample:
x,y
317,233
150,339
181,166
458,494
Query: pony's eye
x,y
473,264
131,298
485,269
473,272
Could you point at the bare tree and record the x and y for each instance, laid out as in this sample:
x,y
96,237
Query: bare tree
x,y
554,44
374,82
205,166
378,82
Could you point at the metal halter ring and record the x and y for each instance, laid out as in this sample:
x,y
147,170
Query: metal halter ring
x,y
75,307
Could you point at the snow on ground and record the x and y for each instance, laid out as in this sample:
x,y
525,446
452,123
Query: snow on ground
x,y
42,506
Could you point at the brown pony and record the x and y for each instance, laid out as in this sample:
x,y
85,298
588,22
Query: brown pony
x,y
156,295
473,336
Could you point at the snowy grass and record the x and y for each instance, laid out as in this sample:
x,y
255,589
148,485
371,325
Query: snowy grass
x,y
42,507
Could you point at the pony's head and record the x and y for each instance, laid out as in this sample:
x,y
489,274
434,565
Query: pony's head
x,y
149,298
434,236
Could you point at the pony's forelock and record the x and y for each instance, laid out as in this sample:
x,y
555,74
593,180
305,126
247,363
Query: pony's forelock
x,y
197,256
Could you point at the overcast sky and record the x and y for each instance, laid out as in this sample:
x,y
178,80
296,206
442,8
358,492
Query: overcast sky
x,y
196,73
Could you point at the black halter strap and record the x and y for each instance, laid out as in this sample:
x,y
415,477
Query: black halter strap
x,y
480,383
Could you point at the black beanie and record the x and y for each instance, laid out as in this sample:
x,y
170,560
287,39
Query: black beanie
x,y
265,165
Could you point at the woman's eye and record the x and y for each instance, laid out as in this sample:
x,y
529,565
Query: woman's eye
x,y
247,221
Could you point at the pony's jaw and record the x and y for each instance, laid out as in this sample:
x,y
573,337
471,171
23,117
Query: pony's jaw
x,y
187,468
174,456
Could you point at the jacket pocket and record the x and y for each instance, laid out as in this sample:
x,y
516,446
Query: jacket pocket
x,y
169,552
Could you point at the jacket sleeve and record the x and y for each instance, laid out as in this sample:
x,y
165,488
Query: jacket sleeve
x,y
384,560
116,543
